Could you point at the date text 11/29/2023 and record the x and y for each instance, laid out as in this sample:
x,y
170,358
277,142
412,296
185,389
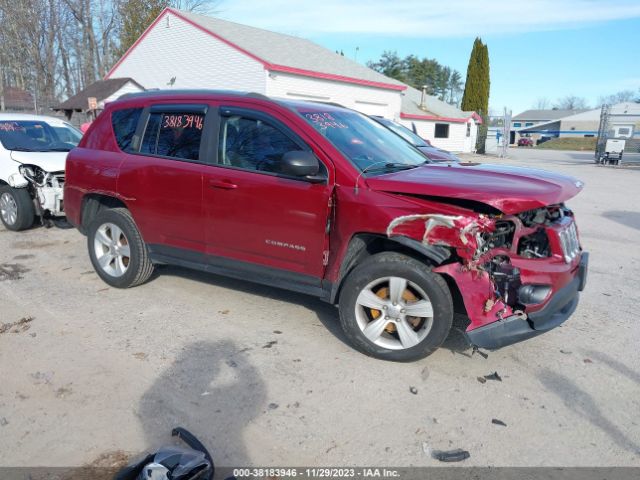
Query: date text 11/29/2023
x,y
316,472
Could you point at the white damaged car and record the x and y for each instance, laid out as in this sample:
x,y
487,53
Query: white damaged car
x,y
33,151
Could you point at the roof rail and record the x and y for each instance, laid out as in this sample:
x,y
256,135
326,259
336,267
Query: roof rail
x,y
171,92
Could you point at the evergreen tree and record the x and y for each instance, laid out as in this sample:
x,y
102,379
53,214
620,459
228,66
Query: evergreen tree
x,y
476,88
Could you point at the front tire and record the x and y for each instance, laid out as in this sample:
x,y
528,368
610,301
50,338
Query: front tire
x,y
117,251
16,208
393,307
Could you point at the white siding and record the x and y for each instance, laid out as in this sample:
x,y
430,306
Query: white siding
x,y
128,87
457,141
174,48
369,100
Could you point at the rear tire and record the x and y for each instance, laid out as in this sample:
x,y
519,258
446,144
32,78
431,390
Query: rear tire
x,y
378,298
117,251
16,208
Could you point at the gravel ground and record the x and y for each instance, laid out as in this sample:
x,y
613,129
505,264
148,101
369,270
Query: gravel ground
x,y
264,376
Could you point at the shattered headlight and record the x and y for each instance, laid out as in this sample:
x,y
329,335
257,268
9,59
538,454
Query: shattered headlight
x,y
33,173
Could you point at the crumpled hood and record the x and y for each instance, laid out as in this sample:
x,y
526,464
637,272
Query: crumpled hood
x,y
509,189
48,161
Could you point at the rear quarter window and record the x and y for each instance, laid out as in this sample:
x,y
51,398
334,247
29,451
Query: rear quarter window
x,y
124,124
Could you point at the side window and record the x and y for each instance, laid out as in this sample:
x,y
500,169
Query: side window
x,y
175,135
124,123
252,144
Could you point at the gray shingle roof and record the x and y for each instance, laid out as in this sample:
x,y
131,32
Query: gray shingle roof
x,y
545,115
286,50
100,90
433,106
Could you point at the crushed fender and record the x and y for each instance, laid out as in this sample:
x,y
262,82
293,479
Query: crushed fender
x,y
460,232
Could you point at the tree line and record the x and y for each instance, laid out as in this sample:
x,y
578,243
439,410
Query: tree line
x,y
54,48
440,80
573,102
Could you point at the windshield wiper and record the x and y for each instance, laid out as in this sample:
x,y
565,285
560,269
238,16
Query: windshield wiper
x,y
389,166
65,149
382,166
21,149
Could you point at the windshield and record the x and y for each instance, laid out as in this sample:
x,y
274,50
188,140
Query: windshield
x,y
405,133
366,143
37,136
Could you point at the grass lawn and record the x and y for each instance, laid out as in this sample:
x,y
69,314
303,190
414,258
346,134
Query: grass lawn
x,y
569,143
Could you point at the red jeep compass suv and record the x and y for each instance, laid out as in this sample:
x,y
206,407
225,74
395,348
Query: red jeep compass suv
x,y
325,201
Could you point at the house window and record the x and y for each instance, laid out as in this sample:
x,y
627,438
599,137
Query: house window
x,y
517,124
468,129
528,124
442,130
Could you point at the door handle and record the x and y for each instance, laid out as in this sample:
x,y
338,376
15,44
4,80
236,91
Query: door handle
x,y
224,184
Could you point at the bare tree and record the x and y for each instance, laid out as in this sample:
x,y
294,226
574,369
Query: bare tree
x,y
571,102
542,103
53,48
619,97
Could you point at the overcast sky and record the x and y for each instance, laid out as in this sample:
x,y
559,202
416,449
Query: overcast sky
x,y
537,48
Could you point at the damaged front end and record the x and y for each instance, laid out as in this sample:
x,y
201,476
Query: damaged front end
x,y
45,188
519,275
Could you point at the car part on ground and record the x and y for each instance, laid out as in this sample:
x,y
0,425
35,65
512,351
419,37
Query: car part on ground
x,y
173,462
322,200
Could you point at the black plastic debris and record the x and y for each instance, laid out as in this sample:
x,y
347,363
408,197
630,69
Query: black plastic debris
x,y
173,462
413,390
479,352
494,376
495,421
456,455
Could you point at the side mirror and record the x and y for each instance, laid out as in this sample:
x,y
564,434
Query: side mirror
x,y
300,163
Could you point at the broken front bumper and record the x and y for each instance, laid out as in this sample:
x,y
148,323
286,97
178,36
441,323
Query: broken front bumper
x,y
516,328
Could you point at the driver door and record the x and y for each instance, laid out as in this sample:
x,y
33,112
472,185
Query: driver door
x,y
254,213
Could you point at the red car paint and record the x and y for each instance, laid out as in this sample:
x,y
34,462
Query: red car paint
x,y
240,215
509,189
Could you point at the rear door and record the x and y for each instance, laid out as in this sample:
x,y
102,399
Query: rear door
x,y
162,179
254,213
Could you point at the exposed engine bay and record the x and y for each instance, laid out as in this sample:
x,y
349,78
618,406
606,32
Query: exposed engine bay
x,y
488,248
45,188
525,232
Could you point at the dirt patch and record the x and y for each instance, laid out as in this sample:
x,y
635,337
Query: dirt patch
x,y
21,325
29,244
24,257
12,271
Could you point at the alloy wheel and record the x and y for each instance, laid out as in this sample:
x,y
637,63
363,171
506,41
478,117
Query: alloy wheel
x,y
112,249
8,209
394,313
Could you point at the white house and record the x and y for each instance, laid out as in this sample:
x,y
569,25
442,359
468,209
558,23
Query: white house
x,y
185,50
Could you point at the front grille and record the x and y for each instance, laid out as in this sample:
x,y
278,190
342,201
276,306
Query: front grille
x,y
570,243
